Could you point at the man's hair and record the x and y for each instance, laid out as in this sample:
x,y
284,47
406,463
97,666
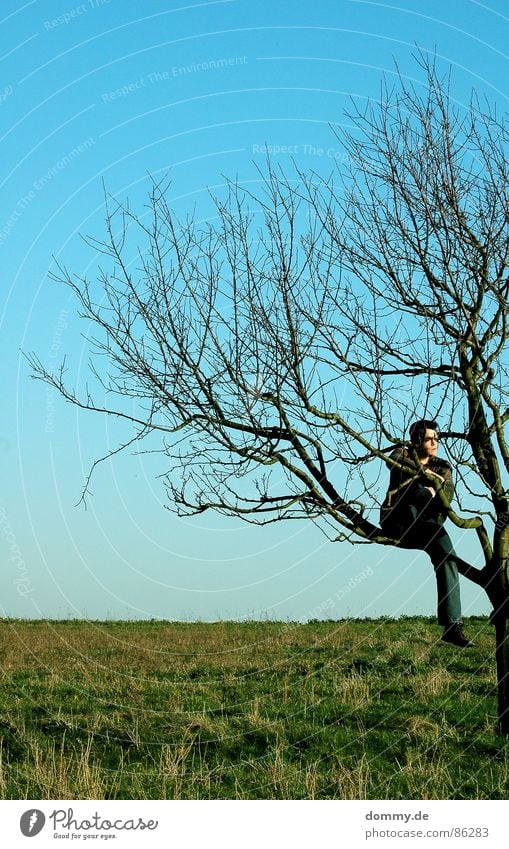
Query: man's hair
x,y
418,429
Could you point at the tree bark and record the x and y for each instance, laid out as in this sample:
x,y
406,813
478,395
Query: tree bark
x,y
502,656
497,590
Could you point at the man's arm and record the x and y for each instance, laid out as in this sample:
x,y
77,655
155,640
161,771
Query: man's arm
x,y
442,471
400,478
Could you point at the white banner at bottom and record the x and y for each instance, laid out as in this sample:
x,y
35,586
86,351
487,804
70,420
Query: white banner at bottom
x,y
255,824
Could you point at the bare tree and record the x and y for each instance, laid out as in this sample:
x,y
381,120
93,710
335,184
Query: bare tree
x,y
281,351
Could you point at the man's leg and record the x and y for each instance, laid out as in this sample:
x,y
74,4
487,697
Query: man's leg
x,y
442,556
428,535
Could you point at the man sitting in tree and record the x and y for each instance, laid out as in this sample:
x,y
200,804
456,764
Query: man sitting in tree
x,y
413,514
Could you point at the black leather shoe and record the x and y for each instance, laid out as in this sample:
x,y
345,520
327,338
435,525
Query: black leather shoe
x,y
455,635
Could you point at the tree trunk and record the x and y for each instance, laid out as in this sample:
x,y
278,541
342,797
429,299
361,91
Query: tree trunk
x,y
497,589
502,656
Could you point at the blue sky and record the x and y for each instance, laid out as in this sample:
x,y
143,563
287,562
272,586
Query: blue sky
x,y
116,92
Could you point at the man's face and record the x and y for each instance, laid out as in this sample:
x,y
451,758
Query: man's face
x,y
429,446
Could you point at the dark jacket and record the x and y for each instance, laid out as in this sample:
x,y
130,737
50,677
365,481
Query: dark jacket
x,y
409,488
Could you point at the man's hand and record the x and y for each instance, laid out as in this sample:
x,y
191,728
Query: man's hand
x,y
435,475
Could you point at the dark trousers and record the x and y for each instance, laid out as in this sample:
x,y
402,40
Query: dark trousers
x,y
415,528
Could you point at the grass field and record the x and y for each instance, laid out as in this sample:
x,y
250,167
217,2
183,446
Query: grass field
x,y
363,709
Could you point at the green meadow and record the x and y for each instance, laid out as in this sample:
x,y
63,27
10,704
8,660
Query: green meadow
x,y
354,709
